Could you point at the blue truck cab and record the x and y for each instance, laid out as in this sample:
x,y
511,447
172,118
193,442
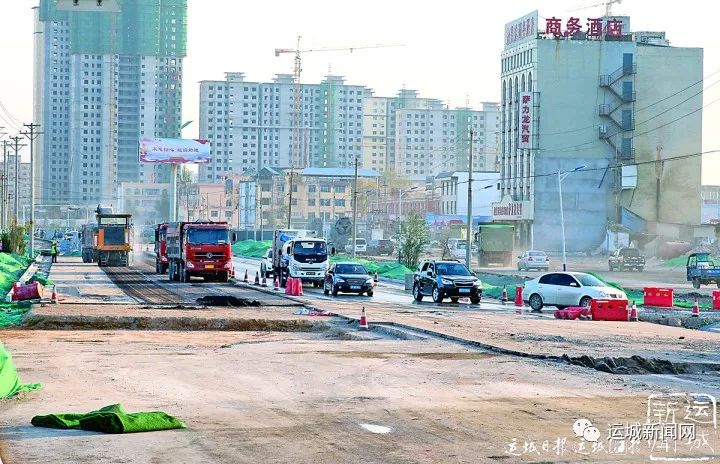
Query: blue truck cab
x,y
701,270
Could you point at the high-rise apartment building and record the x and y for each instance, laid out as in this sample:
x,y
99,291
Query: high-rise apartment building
x,y
251,124
103,80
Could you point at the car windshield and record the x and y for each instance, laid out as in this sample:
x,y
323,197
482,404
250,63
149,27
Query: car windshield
x,y
537,253
208,236
452,269
350,269
310,248
586,280
461,245
631,252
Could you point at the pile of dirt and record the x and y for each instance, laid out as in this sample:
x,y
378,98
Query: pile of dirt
x,y
637,365
226,300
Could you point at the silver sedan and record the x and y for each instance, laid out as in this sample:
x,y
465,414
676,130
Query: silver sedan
x,y
563,289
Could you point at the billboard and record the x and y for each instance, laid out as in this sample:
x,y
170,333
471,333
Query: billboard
x,y
521,30
174,151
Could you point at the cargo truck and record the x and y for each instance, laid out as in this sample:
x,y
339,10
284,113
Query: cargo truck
x,y
201,249
496,244
161,259
299,254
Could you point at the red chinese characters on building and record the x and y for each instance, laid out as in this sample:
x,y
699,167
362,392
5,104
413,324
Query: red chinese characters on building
x,y
553,26
614,28
572,27
594,28
525,120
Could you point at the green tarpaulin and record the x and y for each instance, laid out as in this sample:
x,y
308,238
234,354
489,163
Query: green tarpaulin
x,y
110,419
9,382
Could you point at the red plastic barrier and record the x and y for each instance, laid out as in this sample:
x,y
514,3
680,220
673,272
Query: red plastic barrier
x,y
661,297
31,291
716,300
518,296
609,310
571,313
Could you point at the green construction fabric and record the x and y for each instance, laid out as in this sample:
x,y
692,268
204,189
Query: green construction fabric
x,y
110,419
9,381
72,420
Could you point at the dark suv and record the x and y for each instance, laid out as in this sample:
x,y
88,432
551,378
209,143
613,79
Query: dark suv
x,y
348,278
446,279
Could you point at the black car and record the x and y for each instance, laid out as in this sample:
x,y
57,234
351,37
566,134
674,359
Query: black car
x,y
446,279
348,278
380,247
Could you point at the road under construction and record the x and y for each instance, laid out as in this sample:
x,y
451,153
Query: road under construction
x,y
260,375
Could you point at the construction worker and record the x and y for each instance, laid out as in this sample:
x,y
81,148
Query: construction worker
x,y
53,251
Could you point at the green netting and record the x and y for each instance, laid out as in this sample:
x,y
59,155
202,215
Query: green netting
x,y
11,314
251,248
9,382
110,419
11,268
46,282
389,270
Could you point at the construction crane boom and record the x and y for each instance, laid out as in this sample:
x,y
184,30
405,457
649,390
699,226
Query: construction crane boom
x,y
607,4
296,157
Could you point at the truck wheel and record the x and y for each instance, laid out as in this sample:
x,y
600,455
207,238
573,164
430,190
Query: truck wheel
x,y
696,283
417,294
185,275
223,277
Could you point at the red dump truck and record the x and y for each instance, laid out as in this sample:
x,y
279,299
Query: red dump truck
x,y
201,249
161,258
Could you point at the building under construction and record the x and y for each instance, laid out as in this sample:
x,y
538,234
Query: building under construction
x,y
104,78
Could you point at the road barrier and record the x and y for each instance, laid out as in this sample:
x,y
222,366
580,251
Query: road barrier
x,y
32,291
571,313
661,297
609,310
716,300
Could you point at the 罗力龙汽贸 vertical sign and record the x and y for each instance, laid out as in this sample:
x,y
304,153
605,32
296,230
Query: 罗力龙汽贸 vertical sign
x,y
525,119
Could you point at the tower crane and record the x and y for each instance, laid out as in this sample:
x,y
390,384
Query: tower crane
x,y
607,4
297,97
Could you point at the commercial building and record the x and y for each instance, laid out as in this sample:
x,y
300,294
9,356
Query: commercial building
x,y
451,191
613,105
103,80
251,125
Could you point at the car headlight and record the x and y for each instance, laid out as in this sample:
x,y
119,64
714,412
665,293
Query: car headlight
x,y
477,283
295,267
340,280
369,282
447,282
189,265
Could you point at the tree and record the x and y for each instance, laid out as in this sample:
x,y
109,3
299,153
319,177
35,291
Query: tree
x,y
412,238
13,240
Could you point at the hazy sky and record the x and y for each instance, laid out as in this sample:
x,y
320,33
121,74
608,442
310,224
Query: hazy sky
x,y
451,51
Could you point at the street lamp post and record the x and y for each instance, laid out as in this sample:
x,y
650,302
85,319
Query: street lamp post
x,y
561,176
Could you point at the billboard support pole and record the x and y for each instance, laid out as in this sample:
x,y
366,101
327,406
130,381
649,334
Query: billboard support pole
x,y
173,193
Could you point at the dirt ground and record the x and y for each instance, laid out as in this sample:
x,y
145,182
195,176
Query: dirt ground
x,y
271,397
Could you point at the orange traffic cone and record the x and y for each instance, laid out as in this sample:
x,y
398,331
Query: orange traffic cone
x,y
633,313
363,320
504,298
257,278
696,309
264,281
245,279
276,284
53,296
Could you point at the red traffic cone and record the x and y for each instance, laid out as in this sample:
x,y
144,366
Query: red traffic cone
x,y
276,284
264,281
519,310
518,297
288,285
633,313
257,278
298,287
245,279
696,309
363,320
53,296
504,297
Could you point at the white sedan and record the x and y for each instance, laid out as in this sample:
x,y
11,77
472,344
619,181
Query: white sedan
x,y
563,289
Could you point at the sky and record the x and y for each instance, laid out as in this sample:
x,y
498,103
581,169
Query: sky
x,y
451,48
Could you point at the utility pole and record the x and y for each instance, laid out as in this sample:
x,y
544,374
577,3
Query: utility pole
x,y
31,134
468,234
4,187
354,209
16,148
291,198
